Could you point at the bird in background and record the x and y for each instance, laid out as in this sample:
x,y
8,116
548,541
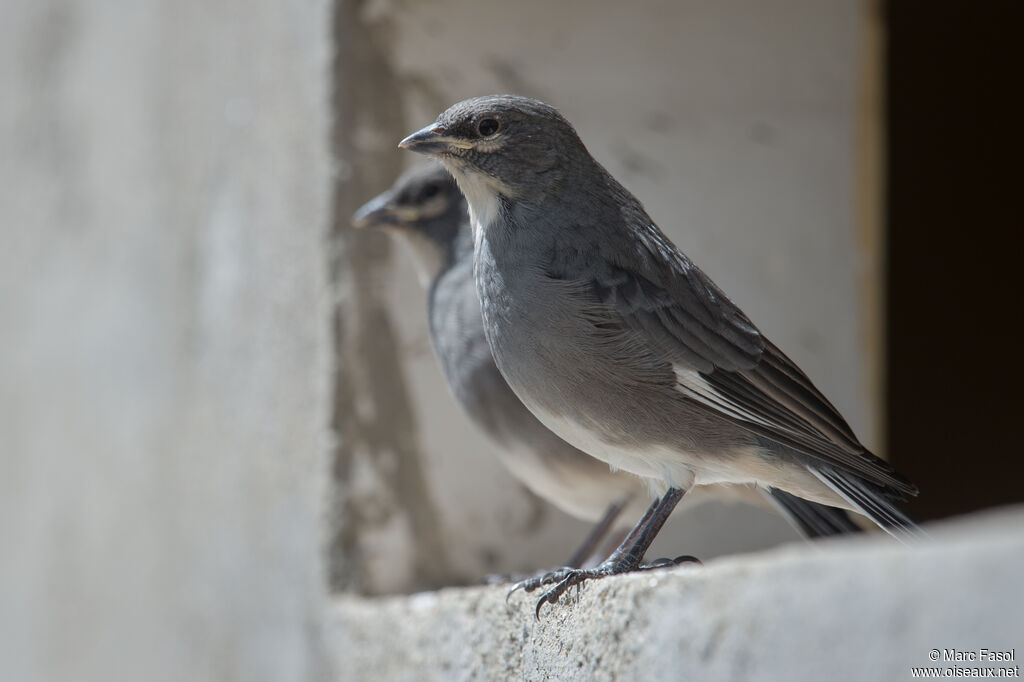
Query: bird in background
x,y
618,343
425,209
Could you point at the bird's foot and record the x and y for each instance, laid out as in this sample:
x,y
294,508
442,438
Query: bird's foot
x,y
564,578
541,579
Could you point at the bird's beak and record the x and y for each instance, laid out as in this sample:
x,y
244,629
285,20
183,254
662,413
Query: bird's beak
x,y
376,212
430,141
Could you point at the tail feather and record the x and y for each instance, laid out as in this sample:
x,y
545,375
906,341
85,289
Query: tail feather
x,y
814,520
873,501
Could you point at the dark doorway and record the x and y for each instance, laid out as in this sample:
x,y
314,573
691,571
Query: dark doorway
x,y
955,212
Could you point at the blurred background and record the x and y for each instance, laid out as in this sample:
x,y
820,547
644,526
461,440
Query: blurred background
x,y
218,403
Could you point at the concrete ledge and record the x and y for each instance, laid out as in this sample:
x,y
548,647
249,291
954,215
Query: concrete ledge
x,y
858,609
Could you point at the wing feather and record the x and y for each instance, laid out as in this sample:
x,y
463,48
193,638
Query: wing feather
x,y
724,363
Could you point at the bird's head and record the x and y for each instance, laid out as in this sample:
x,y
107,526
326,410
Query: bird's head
x,y
501,145
425,208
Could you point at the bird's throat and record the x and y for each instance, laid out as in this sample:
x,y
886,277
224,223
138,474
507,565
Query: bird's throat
x,y
482,193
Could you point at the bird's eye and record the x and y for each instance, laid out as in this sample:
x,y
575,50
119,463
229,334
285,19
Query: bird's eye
x,y
429,192
487,127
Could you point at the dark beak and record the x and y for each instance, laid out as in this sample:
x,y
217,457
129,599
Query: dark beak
x,y
429,141
375,212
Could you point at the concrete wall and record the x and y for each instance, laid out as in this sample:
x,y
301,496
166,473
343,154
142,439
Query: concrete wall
x,y
852,610
164,323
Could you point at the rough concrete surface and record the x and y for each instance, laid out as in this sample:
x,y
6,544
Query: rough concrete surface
x,y
859,609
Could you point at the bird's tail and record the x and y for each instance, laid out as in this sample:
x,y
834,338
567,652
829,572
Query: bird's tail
x,y
874,501
814,520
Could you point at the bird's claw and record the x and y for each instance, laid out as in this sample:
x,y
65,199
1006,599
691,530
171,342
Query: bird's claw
x,y
538,581
514,589
574,577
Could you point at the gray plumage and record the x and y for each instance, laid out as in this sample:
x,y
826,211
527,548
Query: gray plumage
x,y
426,210
617,342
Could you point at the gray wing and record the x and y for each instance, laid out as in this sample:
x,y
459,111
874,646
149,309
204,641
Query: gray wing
x,y
723,362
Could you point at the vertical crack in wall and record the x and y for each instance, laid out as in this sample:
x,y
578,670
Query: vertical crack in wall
x,y
373,414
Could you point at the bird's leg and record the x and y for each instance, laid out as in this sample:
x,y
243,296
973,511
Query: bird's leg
x,y
631,558
626,558
594,538
631,538
631,552
557,575
585,551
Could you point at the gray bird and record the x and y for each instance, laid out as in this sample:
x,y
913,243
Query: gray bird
x,y
426,210
618,343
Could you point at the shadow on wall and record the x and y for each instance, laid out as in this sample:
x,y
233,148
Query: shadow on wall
x,y
377,468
